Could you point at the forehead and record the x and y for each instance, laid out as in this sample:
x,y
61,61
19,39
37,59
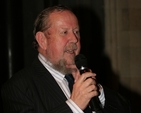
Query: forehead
x,y
63,17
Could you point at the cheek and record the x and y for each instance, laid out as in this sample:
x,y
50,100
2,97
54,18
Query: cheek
x,y
55,51
78,47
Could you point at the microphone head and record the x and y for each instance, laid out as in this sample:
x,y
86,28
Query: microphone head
x,y
81,60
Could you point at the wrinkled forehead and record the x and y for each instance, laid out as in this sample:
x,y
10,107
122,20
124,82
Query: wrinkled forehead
x,y
63,16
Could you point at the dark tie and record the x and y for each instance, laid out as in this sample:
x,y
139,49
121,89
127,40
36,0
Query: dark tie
x,y
70,80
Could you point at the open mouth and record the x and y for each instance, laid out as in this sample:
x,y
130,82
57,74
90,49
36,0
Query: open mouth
x,y
70,51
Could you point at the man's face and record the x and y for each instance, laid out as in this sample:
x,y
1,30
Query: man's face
x,y
63,38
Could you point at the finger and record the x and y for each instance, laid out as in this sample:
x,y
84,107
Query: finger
x,y
91,88
93,93
85,76
90,81
90,92
90,85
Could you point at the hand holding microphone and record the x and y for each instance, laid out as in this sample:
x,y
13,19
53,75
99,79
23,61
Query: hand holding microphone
x,y
82,65
84,89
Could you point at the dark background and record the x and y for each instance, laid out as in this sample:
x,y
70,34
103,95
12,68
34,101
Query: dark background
x,y
17,18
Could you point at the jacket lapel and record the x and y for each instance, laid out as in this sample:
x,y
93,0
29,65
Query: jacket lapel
x,y
46,80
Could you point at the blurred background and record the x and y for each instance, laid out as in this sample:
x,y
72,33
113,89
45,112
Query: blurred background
x,y
110,36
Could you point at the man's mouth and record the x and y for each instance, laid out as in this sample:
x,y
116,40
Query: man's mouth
x,y
71,48
70,51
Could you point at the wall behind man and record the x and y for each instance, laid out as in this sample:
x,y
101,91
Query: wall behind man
x,y
123,46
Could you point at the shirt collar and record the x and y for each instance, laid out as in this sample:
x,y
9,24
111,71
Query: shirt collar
x,y
56,74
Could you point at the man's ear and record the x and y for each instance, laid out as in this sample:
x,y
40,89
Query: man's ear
x,y
41,39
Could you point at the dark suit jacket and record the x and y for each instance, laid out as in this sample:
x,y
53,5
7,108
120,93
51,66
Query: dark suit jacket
x,y
34,90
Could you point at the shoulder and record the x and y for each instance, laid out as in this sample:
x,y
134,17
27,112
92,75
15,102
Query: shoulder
x,y
109,93
21,78
115,101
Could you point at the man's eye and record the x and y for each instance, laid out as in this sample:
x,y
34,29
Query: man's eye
x,y
65,32
76,32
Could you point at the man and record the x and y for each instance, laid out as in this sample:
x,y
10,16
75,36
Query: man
x,y
42,87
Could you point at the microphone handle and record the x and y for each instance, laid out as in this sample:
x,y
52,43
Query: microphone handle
x,y
95,105
94,102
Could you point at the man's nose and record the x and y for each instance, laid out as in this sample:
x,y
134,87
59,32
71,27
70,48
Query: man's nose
x,y
74,38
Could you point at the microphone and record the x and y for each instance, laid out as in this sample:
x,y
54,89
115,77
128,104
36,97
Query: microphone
x,y
82,65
